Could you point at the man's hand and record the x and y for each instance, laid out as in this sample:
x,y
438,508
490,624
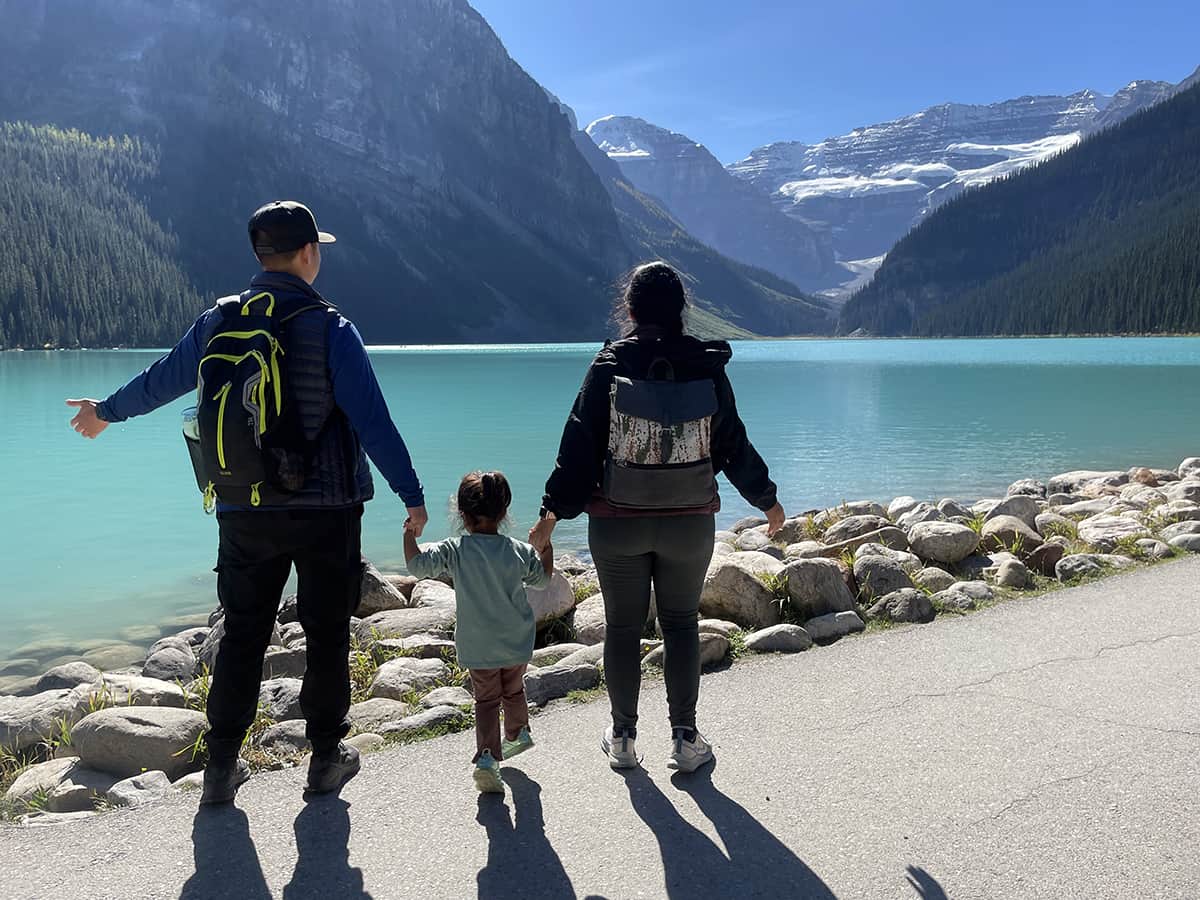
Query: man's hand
x,y
539,534
775,519
86,422
417,520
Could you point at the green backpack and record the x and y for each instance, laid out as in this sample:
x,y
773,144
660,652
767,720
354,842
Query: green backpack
x,y
251,448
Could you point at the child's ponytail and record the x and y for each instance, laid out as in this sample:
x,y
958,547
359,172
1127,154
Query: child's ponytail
x,y
484,496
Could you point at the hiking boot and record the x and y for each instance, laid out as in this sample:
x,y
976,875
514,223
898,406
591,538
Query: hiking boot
x,y
222,779
689,750
619,749
329,771
487,774
523,742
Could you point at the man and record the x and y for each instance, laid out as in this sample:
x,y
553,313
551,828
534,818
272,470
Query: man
x,y
332,391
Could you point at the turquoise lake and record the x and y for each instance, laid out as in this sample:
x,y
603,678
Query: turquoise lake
x,y
102,535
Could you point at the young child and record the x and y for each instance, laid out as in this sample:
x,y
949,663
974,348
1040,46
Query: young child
x,y
495,630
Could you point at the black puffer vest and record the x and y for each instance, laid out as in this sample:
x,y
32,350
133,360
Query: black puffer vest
x,y
338,474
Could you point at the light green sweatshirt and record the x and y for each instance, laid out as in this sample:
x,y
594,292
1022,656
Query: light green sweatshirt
x,y
495,625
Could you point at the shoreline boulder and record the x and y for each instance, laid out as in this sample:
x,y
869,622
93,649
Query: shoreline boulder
x,y
944,542
127,741
736,589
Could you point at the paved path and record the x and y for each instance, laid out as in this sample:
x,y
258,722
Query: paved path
x,y
1045,748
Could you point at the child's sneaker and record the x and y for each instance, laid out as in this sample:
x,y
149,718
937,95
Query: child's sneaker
x,y
523,742
689,755
487,775
620,750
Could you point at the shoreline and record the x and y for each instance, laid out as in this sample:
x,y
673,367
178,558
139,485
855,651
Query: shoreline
x,y
436,347
827,574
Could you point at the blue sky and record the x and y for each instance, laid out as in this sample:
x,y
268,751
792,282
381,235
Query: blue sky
x,y
738,75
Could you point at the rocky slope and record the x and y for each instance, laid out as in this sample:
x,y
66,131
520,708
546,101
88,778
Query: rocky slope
x,y
463,207
735,218
869,187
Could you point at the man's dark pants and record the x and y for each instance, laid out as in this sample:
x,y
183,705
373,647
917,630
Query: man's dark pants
x,y
257,550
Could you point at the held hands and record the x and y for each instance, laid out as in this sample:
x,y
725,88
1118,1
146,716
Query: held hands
x,y
86,422
775,519
539,534
416,521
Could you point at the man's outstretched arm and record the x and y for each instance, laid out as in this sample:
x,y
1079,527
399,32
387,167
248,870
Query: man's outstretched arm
x,y
167,379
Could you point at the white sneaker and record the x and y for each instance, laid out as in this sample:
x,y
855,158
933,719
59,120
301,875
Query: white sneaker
x,y
620,750
688,756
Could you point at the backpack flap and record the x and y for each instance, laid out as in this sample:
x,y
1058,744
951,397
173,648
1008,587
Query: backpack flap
x,y
660,444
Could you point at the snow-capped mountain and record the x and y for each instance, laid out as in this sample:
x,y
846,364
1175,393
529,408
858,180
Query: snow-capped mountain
x,y
735,218
869,187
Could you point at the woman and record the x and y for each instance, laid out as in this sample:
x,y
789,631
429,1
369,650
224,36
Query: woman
x,y
653,424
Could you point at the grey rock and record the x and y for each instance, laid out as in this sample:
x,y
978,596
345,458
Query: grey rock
x,y
1026,487
963,595
25,721
136,690
1013,574
1056,500
39,779
397,677
718,626
1188,489
589,620
402,623
734,590
904,605
1091,507
952,509
1009,532
1078,565
1020,506
1174,531
192,782
725,537
943,542
1154,549
1104,531
805,550
747,523
1052,522
552,682
285,738
1187,542
793,530
434,594
910,562
548,656
900,506
933,579
206,656
68,675
878,576
148,787
553,601
783,638
713,649
25,667
832,626
593,655
418,646
815,587
854,526
285,662
723,550
448,696
17,686
289,610
752,540
850,508
1189,468
373,714
280,698
922,512
140,634
125,742
1073,482
174,642
114,656
170,663
570,564
78,790
366,742
378,594
890,537
443,718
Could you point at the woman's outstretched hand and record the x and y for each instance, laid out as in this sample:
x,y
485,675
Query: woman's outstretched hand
x,y
539,534
775,519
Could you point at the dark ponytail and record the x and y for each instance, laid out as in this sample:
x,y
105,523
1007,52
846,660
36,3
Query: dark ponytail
x,y
653,295
484,496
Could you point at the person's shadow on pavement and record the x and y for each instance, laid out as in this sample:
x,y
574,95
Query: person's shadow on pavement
x,y
758,864
226,859
925,884
521,863
323,867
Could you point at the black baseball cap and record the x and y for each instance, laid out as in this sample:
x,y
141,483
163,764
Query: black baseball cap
x,y
283,226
